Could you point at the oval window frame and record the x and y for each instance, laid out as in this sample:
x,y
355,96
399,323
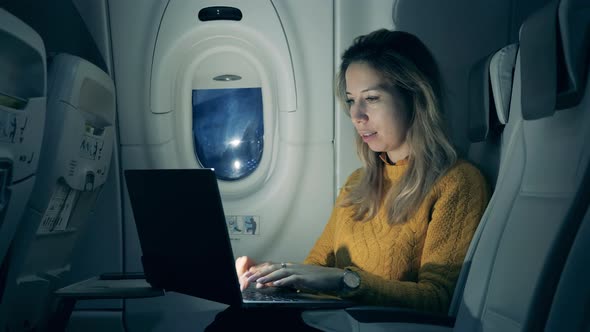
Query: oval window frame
x,y
232,144
185,77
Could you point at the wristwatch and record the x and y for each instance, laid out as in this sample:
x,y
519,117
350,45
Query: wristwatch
x,y
350,280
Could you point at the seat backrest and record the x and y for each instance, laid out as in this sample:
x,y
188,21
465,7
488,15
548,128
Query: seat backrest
x,y
76,155
538,183
570,311
490,87
489,100
22,119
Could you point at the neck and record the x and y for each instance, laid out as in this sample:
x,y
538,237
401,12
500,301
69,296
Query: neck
x,y
399,154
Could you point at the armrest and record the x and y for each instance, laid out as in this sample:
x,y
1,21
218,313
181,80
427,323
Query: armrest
x,y
109,288
369,314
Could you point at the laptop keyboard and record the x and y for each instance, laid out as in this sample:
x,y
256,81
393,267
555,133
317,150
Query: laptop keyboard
x,y
266,295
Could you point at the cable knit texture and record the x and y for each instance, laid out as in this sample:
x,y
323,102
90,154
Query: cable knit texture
x,y
413,264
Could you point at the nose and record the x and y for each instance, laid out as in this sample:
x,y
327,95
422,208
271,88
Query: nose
x,y
358,113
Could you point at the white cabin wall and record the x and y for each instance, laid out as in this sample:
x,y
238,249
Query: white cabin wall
x,y
146,145
150,142
352,18
311,52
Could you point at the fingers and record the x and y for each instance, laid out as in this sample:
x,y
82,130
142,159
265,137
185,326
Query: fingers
x,y
292,280
268,284
262,270
269,274
246,276
244,283
259,270
246,267
264,274
243,264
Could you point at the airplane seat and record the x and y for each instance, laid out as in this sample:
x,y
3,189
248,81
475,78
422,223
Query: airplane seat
x,y
23,92
489,100
538,182
569,309
509,276
490,87
76,156
490,138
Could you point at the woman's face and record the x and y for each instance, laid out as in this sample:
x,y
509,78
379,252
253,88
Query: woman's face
x,y
377,110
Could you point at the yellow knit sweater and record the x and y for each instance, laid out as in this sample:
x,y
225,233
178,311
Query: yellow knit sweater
x,y
415,264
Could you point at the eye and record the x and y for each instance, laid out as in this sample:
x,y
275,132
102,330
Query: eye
x,y
349,102
372,99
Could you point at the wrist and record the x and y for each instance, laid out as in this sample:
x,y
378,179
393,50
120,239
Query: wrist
x,y
350,281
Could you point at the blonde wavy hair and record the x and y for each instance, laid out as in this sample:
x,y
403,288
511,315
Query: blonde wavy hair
x,y
408,66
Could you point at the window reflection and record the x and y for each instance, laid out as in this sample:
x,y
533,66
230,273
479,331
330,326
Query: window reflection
x,y
228,130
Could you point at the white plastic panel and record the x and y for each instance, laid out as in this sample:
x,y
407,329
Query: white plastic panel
x,y
294,198
188,55
221,55
181,31
80,128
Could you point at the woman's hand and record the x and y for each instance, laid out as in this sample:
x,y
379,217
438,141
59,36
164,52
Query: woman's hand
x,y
243,265
300,276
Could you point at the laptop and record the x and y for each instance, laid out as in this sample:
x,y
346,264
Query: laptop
x,y
185,242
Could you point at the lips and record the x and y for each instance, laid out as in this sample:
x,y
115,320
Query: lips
x,y
368,136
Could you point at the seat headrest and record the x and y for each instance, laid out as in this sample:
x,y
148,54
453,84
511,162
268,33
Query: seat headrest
x,y
538,63
501,77
491,76
574,29
554,49
479,101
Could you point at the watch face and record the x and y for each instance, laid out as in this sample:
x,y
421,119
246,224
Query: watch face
x,y
351,279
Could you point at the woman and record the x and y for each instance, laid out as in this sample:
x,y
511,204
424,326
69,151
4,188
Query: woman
x,y
402,223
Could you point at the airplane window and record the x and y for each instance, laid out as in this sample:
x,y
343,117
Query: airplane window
x,y
228,130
